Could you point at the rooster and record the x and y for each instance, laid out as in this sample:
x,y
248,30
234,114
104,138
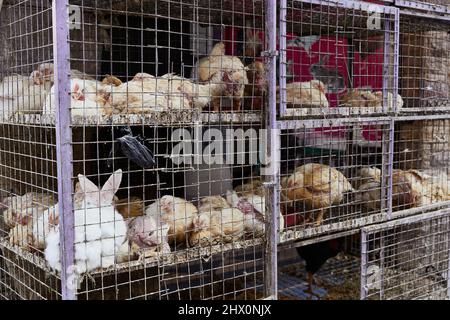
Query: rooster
x,y
316,254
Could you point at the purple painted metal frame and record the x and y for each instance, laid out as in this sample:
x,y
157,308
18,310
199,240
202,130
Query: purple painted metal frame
x,y
61,52
283,56
272,151
435,8
363,286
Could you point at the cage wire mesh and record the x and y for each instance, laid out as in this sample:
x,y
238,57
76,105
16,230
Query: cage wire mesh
x,y
430,5
334,264
424,64
407,259
420,174
334,175
167,116
337,58
166,101
27,153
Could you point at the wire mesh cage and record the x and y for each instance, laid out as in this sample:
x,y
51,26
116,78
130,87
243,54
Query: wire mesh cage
x,y
324,269
334,175
407,259
424,64
147,137
420,175
337,58
433,6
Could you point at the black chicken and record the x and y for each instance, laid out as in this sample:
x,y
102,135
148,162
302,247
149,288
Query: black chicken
x,y
317,254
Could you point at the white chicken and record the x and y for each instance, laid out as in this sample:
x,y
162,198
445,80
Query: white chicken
x,y
146,93
20,94
135,97
175,212
234,75
45,75
88,98
250,199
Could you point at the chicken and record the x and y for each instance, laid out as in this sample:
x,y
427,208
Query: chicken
x,y
257,85
254,186
111,80
253,44
369,195
369,188
254,208
146,93
317,186
17,207
148,234
200,95
88,97
218,226
20,94
44,75
310,94
128,251
316,254
212,203
407,189
234,74
135,97
130,208
358,98
23,213
177,213
250,197
410,188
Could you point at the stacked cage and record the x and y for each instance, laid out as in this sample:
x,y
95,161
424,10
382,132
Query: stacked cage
x,y
337,92
363,126
131,150
168,149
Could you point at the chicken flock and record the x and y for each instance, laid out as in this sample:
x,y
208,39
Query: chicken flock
x,y
216,80
317,188
109,230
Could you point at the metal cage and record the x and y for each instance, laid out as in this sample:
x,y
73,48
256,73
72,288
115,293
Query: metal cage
x,y
142,157
406,258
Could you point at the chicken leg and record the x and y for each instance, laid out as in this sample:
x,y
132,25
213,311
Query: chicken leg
x,y
319,218
237,104
216,104
311,281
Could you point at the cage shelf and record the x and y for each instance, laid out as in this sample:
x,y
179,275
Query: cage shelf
x,y
169,118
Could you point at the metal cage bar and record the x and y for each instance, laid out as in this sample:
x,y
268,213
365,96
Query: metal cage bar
x,y
64,143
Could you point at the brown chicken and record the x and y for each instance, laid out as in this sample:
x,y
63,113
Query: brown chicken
x,y
130,208
234,74
217,226
257,86
316,185
254,186
308,94
367,99
177,213
111,80
407,189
